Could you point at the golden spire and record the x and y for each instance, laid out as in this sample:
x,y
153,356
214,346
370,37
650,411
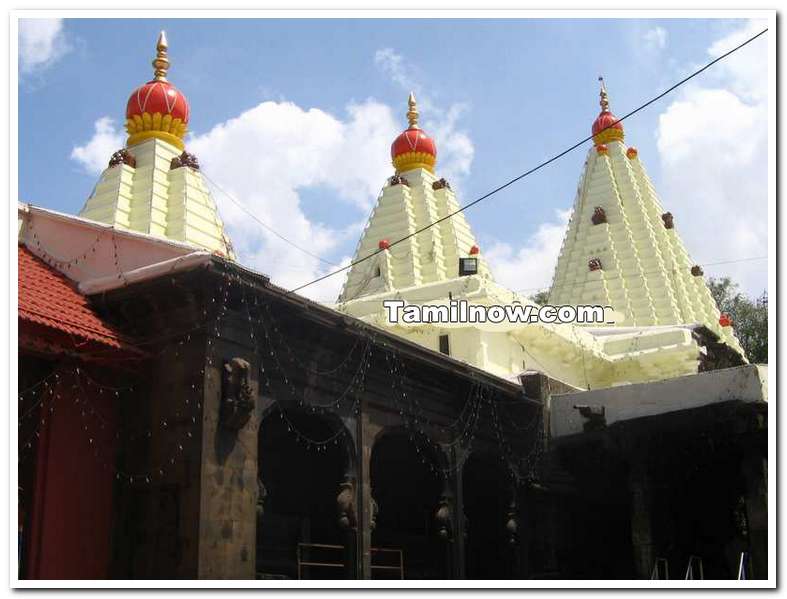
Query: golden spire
x,y
412,113
603,95
161,62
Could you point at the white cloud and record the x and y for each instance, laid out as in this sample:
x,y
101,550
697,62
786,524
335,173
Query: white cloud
x,y
265,157
713,147
94,155
42,42
268,155
656,38
455,149
392,63
530,267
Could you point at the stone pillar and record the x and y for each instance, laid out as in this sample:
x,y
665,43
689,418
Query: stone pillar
x,y
455,483
347,518
365,515
444,520
755,472
512,538
641,522
229,474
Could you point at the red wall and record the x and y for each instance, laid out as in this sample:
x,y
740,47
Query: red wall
x,y
71,520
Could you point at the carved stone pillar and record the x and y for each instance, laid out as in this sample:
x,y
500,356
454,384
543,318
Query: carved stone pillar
x,y
444,521
641,522
348,522
364,438
512,537
755,472
458,517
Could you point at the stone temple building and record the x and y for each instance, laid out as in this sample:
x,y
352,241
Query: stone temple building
x,y
181,416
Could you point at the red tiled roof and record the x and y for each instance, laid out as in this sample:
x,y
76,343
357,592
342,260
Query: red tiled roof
x,y
48,298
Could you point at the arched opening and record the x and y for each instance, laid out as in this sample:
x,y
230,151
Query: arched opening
x,y
406,484
298,534
487,493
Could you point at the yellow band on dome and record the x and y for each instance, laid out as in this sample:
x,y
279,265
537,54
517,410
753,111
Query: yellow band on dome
x,y
413,160
138,138
608,135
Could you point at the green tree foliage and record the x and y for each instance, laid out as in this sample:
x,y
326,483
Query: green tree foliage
x,y
540,297
749,317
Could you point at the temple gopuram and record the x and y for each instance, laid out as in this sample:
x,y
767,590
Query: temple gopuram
x,y
183,417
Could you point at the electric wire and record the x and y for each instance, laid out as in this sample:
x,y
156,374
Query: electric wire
x,y
534,169
264,225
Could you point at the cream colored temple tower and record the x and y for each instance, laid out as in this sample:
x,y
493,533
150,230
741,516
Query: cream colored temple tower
x,y
152,185
623,249
425,269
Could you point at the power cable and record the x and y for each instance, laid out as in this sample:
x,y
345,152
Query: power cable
x,y
267,227
532,170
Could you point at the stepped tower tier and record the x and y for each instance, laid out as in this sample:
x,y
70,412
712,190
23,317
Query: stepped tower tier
x,y
425,269
153,185
412,198
622,247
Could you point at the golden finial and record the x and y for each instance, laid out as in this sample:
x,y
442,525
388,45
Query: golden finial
x,y
603,94
412,113
161,62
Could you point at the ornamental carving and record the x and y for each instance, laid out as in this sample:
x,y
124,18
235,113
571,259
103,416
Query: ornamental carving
x,y
237,399
697,271
594,264
345,505
441,184
398,180
668,222
595,417
185,159
122,157
373,511
443,519
599,216
262,495
512,525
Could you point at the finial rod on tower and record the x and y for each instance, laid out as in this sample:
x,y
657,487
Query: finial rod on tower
x,y
412,113
603,95
161,62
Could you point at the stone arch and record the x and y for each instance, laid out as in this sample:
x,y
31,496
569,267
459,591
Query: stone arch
x,y
299,478
407,486
491,520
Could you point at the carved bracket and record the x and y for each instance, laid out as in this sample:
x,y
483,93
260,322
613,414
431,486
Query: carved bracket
x,y
262,495
345,505
512,525
442,518
123,157
696,271
599,216
668,220
595,417
237,399
441,184
185,159
398,180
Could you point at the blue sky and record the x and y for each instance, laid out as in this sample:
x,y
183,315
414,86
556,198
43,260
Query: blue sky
x,y
498,95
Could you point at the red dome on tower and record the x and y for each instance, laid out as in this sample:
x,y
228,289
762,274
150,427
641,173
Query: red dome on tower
x,y
157,108
606,127
413,148
158,96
